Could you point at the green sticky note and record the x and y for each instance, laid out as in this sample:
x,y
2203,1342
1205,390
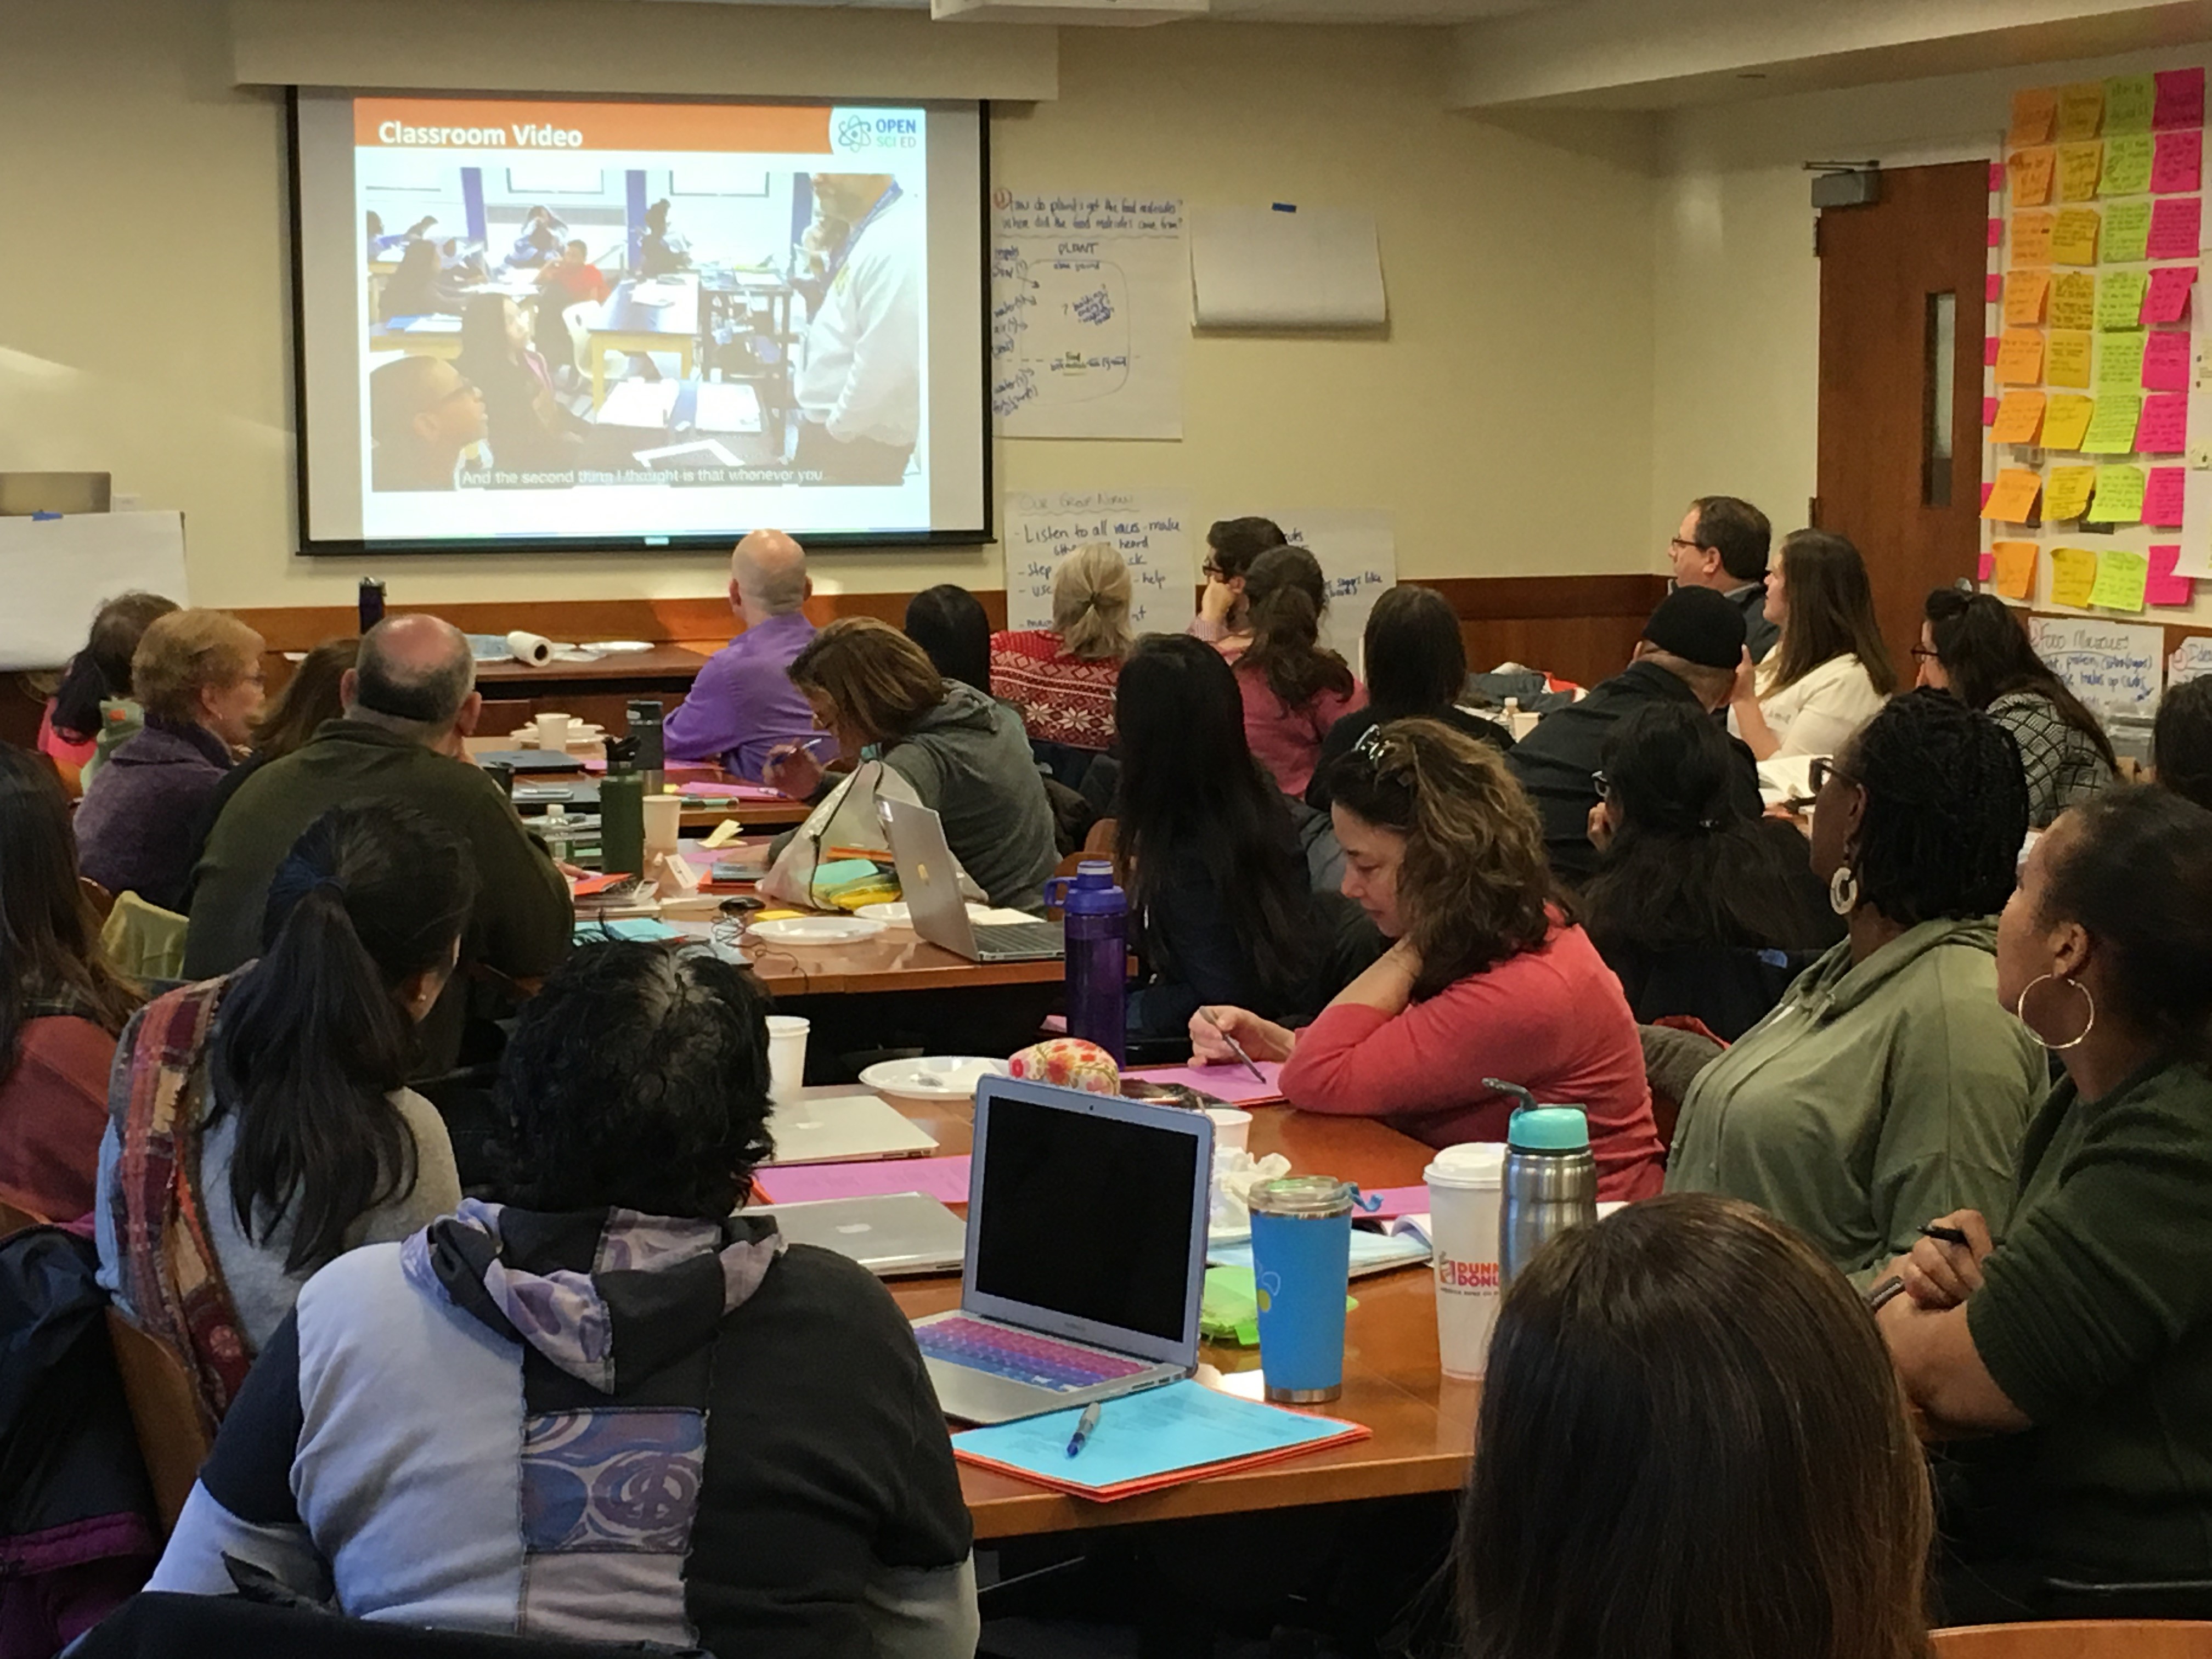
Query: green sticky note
x,y
2129,100
2121,578
2119,495
2127,165
2120,297
2127,232
2112,428
2119,361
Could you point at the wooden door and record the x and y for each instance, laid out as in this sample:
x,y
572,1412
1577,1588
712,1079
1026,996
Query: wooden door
x,y
1902,283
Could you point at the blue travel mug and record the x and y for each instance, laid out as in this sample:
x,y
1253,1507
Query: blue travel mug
x,y
1301,1266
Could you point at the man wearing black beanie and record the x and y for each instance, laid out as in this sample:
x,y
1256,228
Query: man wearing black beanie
x,y
1691,646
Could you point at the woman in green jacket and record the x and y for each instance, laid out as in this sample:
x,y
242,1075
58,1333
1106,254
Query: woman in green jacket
x,y
2082,1334
1888,1087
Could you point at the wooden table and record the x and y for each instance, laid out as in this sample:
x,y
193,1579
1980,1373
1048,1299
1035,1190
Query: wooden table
x,y
897,959
1423,1423
777,814
625,325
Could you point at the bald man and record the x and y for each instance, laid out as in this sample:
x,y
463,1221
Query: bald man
x,y
410,700
744,705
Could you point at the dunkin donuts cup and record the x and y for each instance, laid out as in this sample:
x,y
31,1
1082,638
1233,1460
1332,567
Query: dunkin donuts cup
x,y
1466,1190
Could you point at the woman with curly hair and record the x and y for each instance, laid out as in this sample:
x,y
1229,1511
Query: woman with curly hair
x,y
1889,1087
1490,976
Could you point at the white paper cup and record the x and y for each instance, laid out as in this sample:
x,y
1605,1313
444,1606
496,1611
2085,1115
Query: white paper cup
x,y
1466,1192
786,1056
553,733
663,817
1233,1129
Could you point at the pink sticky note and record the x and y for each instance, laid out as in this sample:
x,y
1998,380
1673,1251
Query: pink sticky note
x,y
1231,1083
2163,586
1989,410
2163,427
2180,99
2166,299
1987,486
1993,288
2166,360
1996,233
1985,566
1997,178
2175,221
2178,163
944,1179
1990,345
2162,491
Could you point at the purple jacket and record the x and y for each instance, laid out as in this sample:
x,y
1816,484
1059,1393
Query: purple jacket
x,y
141,825
743,704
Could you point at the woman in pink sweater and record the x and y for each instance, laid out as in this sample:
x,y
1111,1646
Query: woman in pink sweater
x,y
1294,688
1490,977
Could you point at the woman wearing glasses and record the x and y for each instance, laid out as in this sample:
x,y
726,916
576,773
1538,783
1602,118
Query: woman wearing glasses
x,y
1889,1087
1224,619
1489,976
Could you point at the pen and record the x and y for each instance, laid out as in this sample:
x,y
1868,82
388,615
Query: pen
x,y
1235,1047
1082,1428
1946,1235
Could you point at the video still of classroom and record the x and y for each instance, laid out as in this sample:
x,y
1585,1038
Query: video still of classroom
x,y
1106,830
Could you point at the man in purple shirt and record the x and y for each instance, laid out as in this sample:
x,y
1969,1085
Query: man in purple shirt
x,y
743,705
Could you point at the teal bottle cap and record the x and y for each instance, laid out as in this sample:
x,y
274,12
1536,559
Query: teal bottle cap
x,y
1548,1129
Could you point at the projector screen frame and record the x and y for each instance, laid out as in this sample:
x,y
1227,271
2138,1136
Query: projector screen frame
x,y
852,541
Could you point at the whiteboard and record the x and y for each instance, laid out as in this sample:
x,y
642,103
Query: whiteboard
x,y
57,572
1150,528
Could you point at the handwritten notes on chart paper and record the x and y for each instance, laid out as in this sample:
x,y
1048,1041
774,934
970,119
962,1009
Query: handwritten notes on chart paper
x,y
1358,555
1150,528
1090,314
2114,667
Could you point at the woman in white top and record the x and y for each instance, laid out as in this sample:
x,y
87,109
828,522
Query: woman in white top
x,y
1830,671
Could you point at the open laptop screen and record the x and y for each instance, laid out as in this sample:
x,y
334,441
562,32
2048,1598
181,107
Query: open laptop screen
x,y
1089,1217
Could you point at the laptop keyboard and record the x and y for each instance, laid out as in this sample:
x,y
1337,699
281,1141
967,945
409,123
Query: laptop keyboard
x,y
1026,936
1038,1360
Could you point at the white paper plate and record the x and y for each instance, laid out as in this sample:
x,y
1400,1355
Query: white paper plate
x,y
945,1077
815,930
579,736
894,914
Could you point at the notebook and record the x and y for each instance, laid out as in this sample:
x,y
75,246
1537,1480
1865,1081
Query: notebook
x,y
1371,1253
944,1179
1231,1084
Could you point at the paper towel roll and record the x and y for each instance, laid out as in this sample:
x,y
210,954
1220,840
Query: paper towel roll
x,y
533,648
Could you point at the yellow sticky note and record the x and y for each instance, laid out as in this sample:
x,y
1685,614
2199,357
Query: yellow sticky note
x,y
2034,116
2080,110
2127,165
2015,568
2112,428
2030,171
2067,358
2074,299
2020,358
2072,575
2025,292
2073,238
2121,578
2066,494
2129,101
2119,495
2119,361
2066,419
2018,417
2032,234
2013,498
2120,297
2080,166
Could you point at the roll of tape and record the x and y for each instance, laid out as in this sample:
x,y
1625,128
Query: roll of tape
x,y
533,648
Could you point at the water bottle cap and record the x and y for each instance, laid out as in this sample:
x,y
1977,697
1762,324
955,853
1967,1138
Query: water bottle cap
x,y
1308,1197
1094,873
1479,1164
1548,1129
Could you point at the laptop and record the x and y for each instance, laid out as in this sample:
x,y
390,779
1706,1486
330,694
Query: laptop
x,y
844,1129
896,1233
1086,1253
934,906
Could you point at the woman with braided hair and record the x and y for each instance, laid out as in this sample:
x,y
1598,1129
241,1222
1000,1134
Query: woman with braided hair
x,y
1889,1088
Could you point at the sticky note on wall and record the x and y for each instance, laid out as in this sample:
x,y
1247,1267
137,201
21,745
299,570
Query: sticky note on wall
x,y
2119,497
2175,223
2112,428
2066,420
2072,575
2012,500
2128,161
2015,568
2080,166
2031,171
2178,162
2164,427
2020,358
2032,234
2073,300
2127,232
2025,292
2179,98
2066,358
2074,237
2165,362
2129,101
2019,416
2066,493
2162,587
2119,360
2121,577
2167,298
2034,116
2163,490
2080,110
2120,297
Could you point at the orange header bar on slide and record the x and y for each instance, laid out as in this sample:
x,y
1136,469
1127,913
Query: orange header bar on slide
x,y
489,124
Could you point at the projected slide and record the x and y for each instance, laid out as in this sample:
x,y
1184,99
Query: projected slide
x,y
582,320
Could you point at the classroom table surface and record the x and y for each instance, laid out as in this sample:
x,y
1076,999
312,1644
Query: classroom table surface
x,y
1422,1422
623,313
779,813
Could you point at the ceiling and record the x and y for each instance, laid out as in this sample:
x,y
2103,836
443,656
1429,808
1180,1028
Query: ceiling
x,y
1439,12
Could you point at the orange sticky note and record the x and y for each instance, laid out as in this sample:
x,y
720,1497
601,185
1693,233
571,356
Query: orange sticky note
x,y
2025,292
2020,358
2080,110
2074,237
2012,498
2079,166
2015,568
2066,420
2031,238
2066,494
2067,362
2031,171
2018,417
2034,116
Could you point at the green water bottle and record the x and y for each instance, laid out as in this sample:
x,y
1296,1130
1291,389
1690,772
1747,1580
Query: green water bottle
x,y
622,813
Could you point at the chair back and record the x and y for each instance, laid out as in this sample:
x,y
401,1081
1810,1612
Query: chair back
x,y
14,1218
143,940
173,1433
2084,1638
102,900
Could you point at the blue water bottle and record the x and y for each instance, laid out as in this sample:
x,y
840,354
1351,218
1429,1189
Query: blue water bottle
x,y
1097,914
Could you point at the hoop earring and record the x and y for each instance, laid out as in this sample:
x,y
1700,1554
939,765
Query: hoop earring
x,y
2020,1013
1844,890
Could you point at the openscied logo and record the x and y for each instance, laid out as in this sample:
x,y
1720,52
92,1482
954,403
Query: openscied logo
x,y
854,132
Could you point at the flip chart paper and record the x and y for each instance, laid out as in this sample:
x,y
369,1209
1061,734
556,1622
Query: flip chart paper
x,y
2034,116
2074,299
2180,99
2164,429
2129,101
2080,110
2072,575
1357,549
2020,358
2120,297
2013,500
2119,497
56,573
2015,568
2031,171
2067,358
2066,420
2121,576
2191,660
2163,586
2168,299
2119,361
2025,293
2018,417
2175,223
2066,493
2127,232
2178,163
2111,666
2196,527
1150,528
2166,363
2127,160
2163,493
1317,268
2074,237
2112,428
2078,168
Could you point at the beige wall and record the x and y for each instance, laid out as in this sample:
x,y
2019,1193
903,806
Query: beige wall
x,y
147,332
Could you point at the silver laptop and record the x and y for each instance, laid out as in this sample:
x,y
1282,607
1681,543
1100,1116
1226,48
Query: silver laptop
x,y
894,1234
933,903
844,1129
1086,1253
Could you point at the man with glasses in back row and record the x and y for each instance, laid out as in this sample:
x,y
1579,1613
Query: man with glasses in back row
x,y
1722,544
